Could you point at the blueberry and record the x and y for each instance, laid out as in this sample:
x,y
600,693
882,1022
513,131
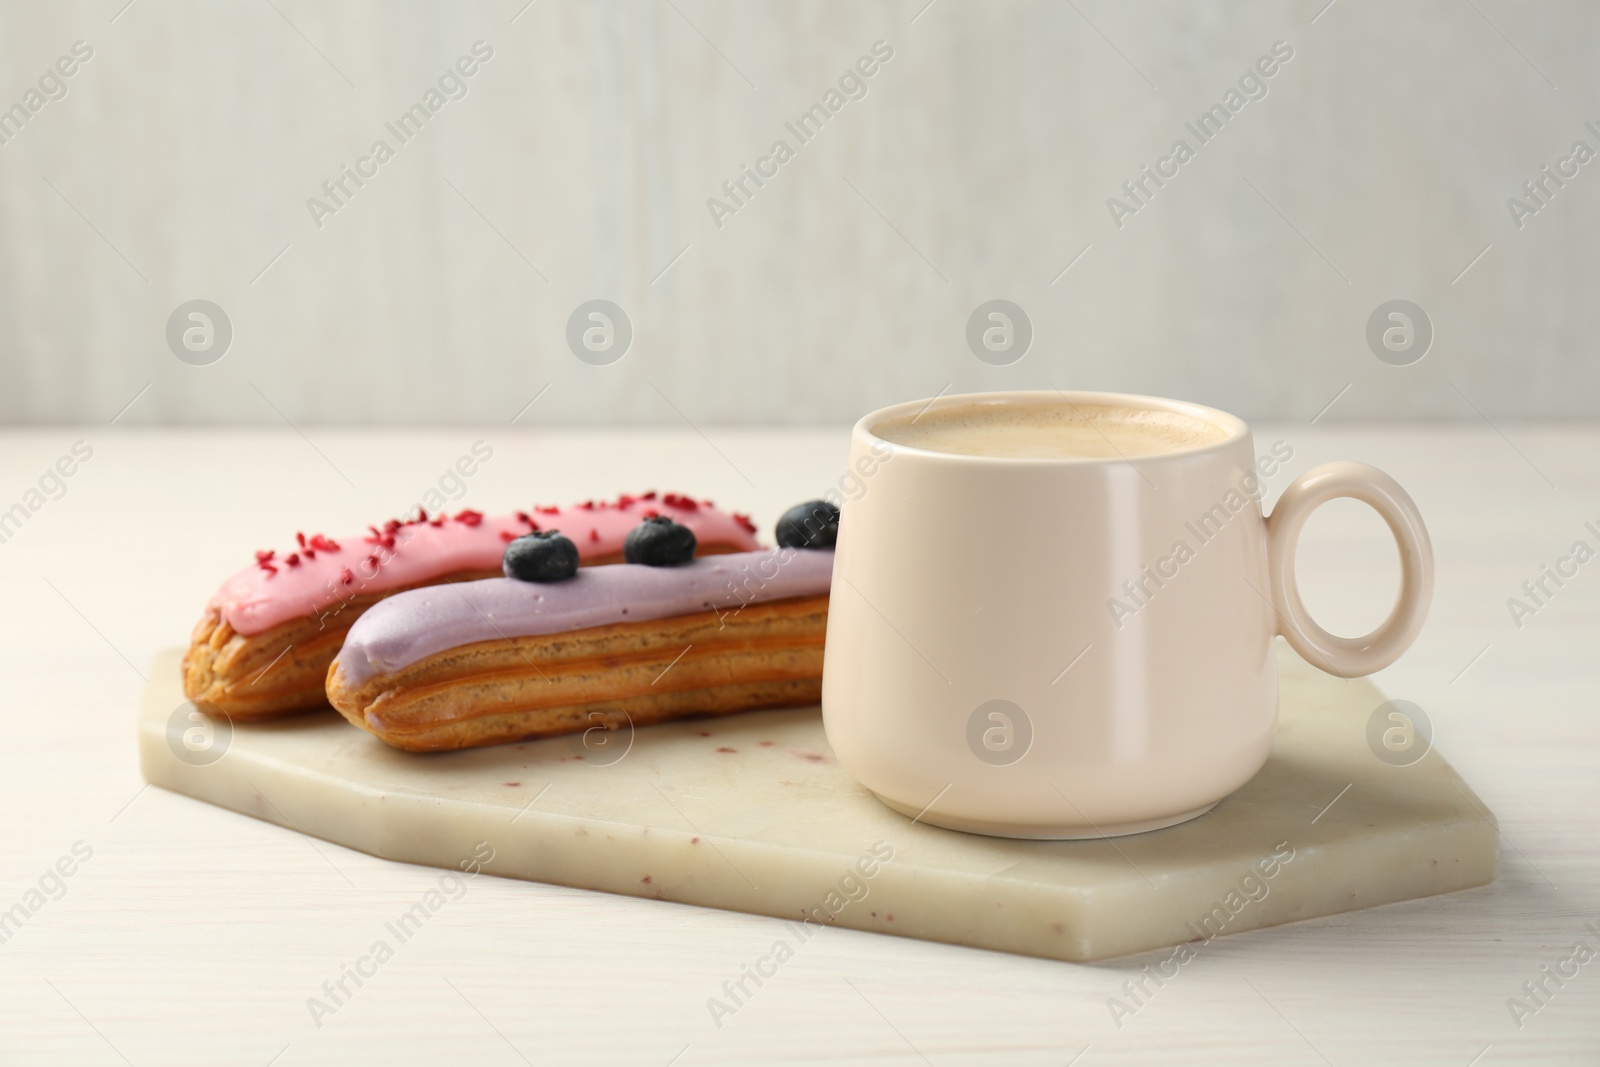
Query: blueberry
x,y
814,524
659,542
545,556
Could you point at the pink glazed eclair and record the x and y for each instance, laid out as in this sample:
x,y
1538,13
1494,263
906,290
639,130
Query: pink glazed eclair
x,y
268,635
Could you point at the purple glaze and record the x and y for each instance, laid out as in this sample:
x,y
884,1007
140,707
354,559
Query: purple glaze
x,y
406,627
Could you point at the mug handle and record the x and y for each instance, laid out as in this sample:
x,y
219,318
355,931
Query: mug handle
x,y
1349,656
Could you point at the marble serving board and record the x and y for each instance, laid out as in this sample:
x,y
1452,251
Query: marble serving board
x,y
752,813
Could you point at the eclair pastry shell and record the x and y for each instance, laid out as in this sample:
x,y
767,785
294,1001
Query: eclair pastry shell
x,y
617,675
277,672
282,670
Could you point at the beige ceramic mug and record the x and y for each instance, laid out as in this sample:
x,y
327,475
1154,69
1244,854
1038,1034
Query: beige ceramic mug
x,y
1077,646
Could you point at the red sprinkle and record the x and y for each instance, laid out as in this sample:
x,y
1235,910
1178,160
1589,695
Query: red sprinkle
x,y
507,535
625,501
744,520
265,554
587,505
292,559
678,500
470,517
300,537
594,535
346,577
548,511
324,544
651,495
651,513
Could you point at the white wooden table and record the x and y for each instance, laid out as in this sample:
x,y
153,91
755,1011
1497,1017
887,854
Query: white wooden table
x,y
196,936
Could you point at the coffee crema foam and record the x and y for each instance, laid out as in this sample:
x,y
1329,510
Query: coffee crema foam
x,y
1051,431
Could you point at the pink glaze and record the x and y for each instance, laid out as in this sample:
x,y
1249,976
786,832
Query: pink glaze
x,y
320,574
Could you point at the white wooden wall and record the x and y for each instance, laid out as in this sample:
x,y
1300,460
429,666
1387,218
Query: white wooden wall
x,y
978,165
